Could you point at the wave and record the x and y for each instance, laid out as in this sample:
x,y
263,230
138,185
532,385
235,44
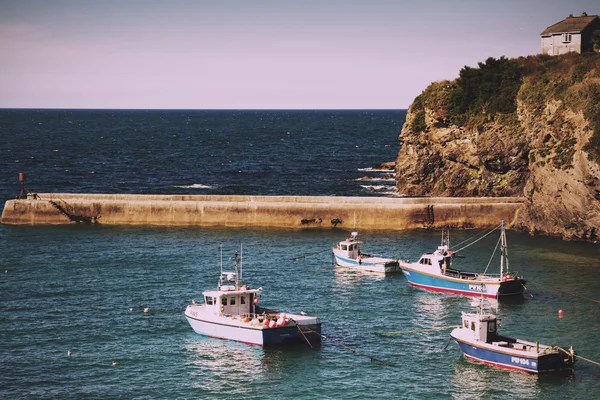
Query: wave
x,y
195,186
371,178
379,188
387,171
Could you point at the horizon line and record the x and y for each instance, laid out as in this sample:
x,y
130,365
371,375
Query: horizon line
x,y
202,109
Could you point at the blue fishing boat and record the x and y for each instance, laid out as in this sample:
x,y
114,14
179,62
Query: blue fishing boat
x,y
435,271
347,254
479,340
232,311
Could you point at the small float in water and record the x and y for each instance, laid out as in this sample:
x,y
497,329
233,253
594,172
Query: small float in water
x,y
478,339
435,272
232,312
348,254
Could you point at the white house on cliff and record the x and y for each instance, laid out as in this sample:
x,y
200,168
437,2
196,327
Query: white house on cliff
x,y
572,34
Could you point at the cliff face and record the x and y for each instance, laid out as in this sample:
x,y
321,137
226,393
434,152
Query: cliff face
x,y
525,127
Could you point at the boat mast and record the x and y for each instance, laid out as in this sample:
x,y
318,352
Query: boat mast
x,y
502,249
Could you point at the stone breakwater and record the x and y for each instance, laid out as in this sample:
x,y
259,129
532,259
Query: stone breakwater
x,y
260,211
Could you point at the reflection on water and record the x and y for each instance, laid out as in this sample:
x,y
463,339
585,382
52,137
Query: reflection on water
x,y
433,310
354,277
219,365
225,366
473,380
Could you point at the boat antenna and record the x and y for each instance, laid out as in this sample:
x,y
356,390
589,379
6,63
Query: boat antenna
x,y
241,261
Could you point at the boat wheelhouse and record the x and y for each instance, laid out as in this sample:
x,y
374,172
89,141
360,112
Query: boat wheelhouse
x,y
348,254
435,272
232,312
479,340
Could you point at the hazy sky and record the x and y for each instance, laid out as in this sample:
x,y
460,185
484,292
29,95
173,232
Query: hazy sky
x,y
197,54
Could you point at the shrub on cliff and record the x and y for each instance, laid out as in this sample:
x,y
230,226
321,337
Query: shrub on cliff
x,y
485,91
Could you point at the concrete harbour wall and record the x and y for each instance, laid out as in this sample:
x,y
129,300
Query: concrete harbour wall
x,y
260,211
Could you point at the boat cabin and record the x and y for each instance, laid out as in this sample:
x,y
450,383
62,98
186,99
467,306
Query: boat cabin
x,y
441,261
231,299
482,326
350,248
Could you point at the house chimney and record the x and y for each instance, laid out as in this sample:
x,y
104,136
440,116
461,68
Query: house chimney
x,y
584,14
570,16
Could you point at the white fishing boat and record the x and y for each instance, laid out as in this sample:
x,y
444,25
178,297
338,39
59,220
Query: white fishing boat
x,y
479,340
435,272
347,254
232,311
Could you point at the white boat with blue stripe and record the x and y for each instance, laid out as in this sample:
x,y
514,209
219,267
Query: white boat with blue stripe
x,y
435,272
479,340
347,254
232,312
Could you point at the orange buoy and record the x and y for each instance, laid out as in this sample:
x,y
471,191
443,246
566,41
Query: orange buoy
x,y
561,313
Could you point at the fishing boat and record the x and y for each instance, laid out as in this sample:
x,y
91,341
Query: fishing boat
x,y
232,311
347,254
479,340
435,272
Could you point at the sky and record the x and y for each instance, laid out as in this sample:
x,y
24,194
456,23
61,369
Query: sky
x,y
252,54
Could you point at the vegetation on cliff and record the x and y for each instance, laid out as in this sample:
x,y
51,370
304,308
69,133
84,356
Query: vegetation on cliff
x,y
490,93
512,127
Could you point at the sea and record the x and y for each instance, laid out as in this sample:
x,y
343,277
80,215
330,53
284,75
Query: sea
x,y
72,297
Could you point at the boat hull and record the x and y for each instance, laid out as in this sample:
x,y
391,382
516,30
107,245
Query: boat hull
x,y
528,362
257,335
467,287
385,266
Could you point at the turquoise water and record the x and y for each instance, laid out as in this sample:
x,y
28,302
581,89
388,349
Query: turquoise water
x,y
71,288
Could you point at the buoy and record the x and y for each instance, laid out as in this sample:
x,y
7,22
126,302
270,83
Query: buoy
x,y
272,323
115,363
130,308
68,353
146,310
256,301
561,313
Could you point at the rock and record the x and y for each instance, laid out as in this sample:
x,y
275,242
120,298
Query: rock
x,y
538,152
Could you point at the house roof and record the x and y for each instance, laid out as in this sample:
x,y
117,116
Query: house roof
x,y
570,25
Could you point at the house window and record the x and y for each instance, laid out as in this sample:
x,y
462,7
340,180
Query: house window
x,y
566,38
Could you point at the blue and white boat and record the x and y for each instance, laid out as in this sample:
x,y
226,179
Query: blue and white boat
x,y
479,340
232,311
435,272
347,254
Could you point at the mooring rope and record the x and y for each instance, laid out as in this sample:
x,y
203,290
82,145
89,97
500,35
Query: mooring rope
x,y
575,355
417,330
353,350
562,291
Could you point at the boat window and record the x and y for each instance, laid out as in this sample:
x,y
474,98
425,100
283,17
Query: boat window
x,y
242,299
232,301
429,261
224,300
350,248
421,261
344,247
209,300
473,326
466,324
492,326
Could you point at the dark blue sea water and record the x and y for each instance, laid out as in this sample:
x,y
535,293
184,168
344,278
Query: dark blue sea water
x,y
83,288
198,152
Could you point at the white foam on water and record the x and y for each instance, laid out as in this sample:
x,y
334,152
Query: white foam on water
x,y
195,186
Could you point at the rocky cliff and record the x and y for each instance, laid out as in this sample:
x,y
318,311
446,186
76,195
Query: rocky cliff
x,y
512,127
